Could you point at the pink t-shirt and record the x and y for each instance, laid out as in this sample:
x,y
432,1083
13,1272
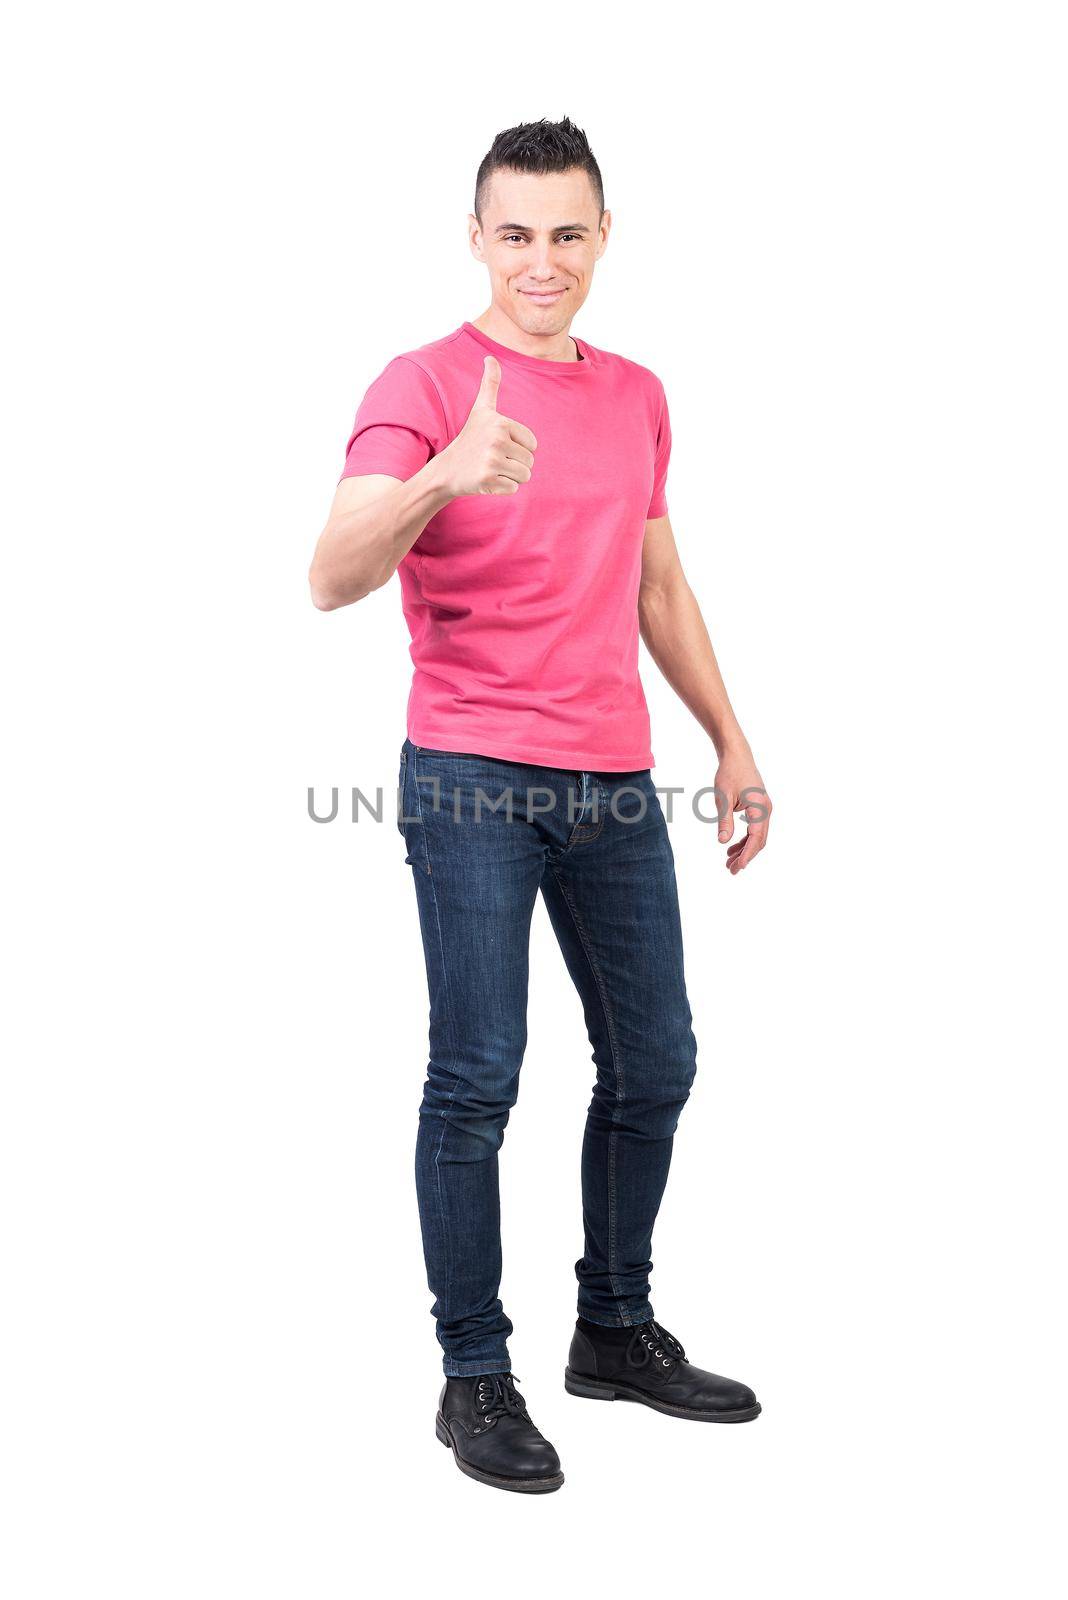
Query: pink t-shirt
x,y
523,609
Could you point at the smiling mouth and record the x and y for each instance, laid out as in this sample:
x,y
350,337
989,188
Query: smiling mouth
x,y
542,294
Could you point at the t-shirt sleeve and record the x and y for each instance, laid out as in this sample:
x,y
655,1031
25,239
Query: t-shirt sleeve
x,y
399,425
658,504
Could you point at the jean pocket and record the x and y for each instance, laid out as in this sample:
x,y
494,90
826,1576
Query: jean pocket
x,y
632,799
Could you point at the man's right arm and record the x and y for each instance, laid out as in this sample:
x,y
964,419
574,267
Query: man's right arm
x,y
373,523
375,519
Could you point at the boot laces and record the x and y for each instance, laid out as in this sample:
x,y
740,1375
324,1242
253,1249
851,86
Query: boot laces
x,y
653,1344
499,1397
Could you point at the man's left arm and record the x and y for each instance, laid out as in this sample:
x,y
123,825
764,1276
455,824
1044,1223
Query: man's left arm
x,y
677,639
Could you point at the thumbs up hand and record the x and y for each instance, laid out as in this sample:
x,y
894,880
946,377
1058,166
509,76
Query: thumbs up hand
x,y
491,454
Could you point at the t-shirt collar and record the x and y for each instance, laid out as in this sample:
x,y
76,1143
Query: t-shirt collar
x,y
562,369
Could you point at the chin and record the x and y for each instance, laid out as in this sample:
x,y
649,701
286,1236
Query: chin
x,y
543,319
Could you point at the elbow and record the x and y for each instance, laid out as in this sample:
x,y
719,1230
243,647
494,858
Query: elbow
x,y
322,598
331,600
665,591
326,596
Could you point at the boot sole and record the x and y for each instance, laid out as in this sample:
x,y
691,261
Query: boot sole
x,y
595,1389
516,1485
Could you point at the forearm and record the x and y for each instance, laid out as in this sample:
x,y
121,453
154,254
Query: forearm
x,y
676,637
359,550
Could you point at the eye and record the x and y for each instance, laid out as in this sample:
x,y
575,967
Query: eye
x,y
518,236
570,236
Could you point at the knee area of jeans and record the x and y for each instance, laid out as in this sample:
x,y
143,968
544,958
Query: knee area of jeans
x,y
664,1123
669,1084
466,1098
653,1114
489,1062
469,1139
469,1103
678,1073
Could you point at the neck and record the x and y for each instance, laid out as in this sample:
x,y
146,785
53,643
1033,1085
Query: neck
x,y
550,346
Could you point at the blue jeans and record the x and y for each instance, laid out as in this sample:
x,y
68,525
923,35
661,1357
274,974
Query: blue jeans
x,y
483,837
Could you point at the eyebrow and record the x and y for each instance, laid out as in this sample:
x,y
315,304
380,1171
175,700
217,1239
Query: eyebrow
x,y
522,227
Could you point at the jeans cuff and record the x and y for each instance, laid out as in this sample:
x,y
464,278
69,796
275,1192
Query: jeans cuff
x,y
475,1369
626,1317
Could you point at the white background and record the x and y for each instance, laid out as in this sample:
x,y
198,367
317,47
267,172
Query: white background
x,y
840,241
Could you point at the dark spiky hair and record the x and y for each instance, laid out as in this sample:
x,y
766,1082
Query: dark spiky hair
x,y
540,147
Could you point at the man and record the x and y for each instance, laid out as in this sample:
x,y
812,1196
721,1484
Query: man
x,y
514,476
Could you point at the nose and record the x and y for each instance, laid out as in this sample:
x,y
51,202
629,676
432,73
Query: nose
x,y
542,268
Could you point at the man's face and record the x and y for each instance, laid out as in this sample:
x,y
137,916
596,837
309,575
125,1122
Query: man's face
x,y
539,236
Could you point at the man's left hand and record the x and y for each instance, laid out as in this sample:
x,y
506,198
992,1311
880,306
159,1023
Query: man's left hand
x,y
739,787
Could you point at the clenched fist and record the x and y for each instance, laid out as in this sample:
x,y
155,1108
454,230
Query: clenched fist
x,y
491,454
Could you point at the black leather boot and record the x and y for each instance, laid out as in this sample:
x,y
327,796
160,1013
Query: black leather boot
x,y
484,1421
646,1363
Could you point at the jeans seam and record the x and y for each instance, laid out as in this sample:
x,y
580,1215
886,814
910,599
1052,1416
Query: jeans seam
x,y
617,1070
576,825
447,1000
403,774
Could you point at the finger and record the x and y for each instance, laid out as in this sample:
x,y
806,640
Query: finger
x,y
756,839
758,820
521,435
491,382
501,485
739,861
515,452
514,470
754,843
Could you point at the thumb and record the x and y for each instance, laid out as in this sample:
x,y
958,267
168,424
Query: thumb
x,y
491,382
725,809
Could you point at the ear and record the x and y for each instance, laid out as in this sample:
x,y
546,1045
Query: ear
x,y
602,235
474,237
